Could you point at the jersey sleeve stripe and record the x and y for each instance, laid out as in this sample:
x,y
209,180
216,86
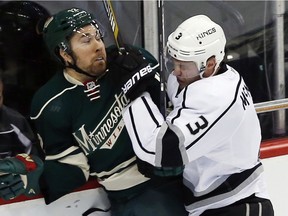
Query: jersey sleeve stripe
x,y
136,133
183,105
150,112
43,107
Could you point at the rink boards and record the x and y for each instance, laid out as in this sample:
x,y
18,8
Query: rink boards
x,y
274,155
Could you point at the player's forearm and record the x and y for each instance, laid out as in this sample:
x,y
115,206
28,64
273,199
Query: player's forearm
x,y
63,173
143,121
154,141
72,156
60,179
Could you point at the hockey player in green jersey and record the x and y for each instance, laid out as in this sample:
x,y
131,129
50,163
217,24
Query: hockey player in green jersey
x,y
78,119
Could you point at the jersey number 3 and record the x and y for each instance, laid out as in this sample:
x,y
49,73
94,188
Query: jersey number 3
x,y
201,124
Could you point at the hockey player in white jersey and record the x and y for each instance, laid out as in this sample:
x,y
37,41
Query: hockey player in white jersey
x,y
213,130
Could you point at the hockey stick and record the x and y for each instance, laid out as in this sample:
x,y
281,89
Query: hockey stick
x,y
161,56
120,44
270,106
114,24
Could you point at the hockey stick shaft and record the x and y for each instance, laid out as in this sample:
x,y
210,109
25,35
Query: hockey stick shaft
x,y
161,56
114,26
113,22
270,106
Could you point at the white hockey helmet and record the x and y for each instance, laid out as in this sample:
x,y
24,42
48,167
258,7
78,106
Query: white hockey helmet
x,y
197,39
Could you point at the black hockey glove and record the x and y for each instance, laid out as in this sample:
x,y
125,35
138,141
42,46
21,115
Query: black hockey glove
x,y
20,175
136,72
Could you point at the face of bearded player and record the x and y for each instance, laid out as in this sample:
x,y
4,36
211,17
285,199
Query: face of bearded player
x,y
88,50
185,72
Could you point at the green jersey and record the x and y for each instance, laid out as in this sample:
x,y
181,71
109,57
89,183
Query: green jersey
x,y
81,129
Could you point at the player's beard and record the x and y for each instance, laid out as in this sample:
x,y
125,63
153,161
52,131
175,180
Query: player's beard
x,y
96,68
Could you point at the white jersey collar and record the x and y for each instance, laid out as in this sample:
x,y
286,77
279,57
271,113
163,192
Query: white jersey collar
x,y
71,79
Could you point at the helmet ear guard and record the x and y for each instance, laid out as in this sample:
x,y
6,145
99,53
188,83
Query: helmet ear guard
x,y
197,39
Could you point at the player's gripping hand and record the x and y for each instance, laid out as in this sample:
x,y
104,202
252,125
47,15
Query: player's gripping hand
x,y
136,71
20,175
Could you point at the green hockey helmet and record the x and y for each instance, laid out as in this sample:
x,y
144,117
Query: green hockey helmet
x,y
59,28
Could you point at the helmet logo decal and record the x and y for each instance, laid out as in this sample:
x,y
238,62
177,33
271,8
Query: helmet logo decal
x,y
206,33
179,36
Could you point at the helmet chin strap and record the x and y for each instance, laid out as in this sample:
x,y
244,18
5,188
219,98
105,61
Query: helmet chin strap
x,y
79,70
201,71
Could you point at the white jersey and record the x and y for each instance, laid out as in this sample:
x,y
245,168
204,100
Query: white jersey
x,y
213,130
